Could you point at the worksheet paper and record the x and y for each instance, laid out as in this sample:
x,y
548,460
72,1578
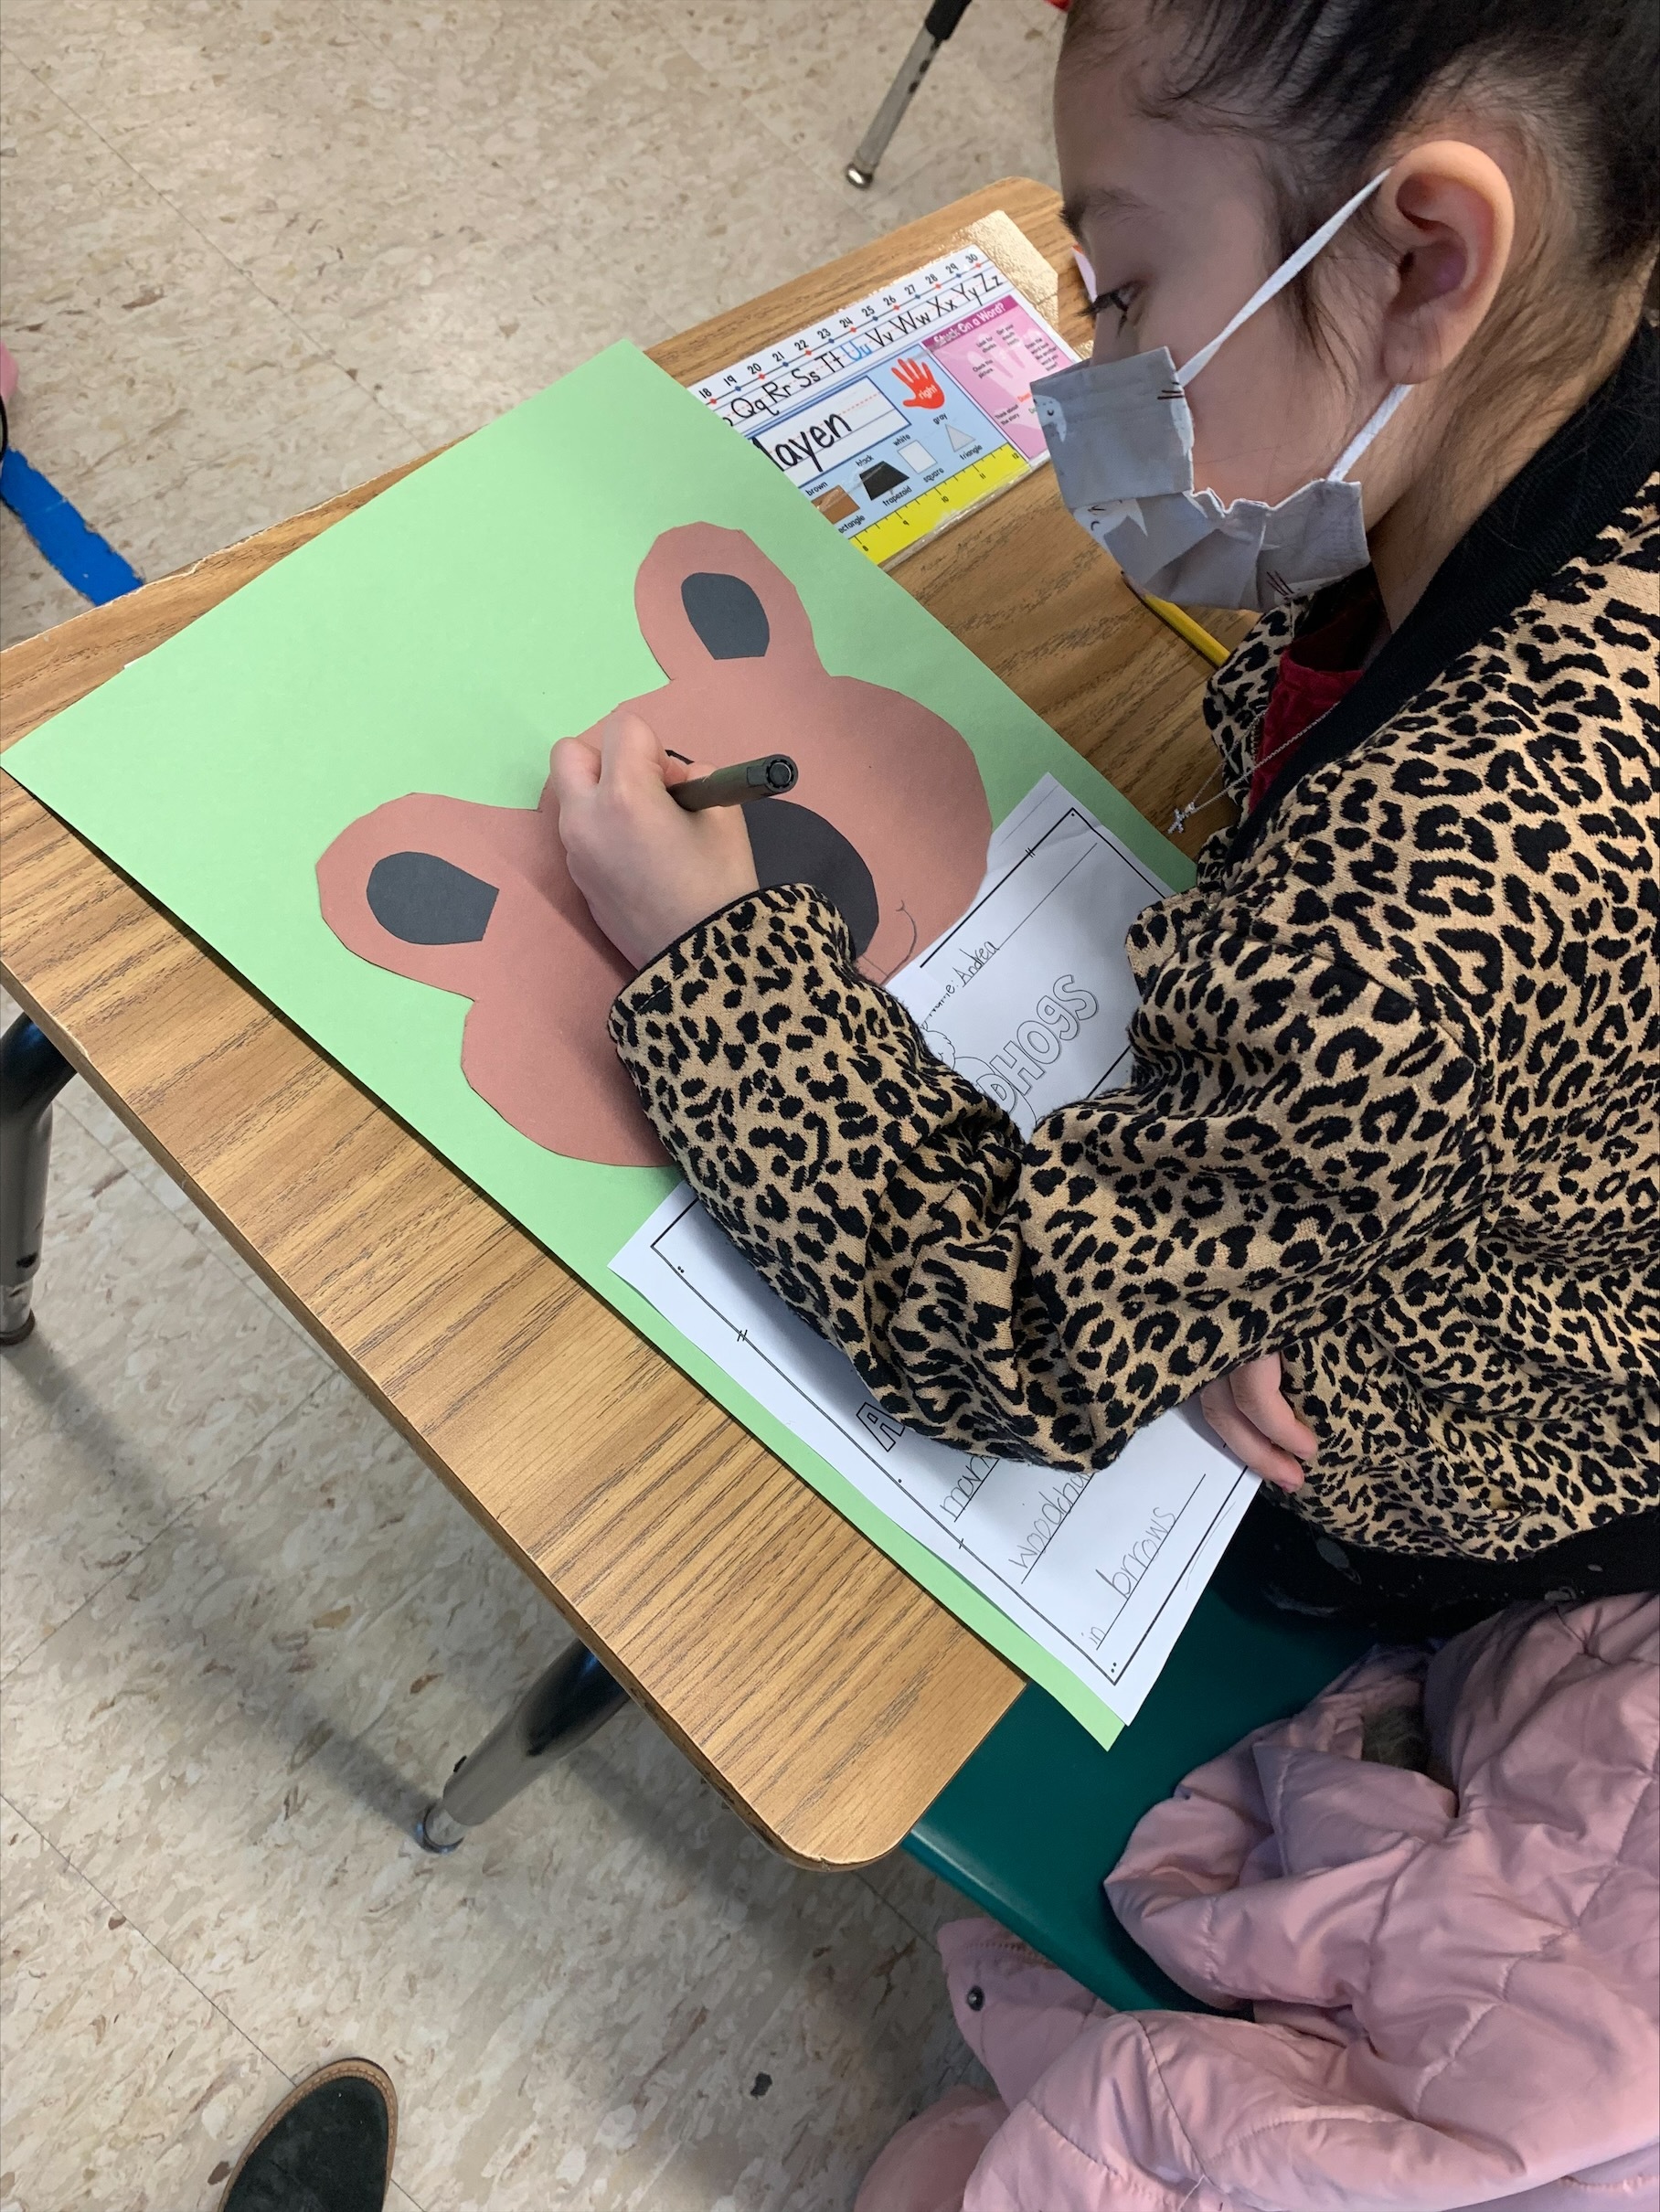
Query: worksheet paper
x,y
1029,996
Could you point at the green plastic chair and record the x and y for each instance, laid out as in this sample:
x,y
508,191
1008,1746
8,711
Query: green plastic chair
x,y
1036,1819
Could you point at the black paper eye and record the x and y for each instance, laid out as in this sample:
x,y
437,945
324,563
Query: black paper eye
x,y
729,620
428,902
793,844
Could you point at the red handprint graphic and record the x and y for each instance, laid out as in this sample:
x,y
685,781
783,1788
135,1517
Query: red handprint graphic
x,y
921,382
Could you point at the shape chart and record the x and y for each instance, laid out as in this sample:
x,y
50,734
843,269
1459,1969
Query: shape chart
x,y
901,411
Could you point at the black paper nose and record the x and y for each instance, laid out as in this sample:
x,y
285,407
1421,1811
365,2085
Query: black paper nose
x,y
729,620
428,902
793,844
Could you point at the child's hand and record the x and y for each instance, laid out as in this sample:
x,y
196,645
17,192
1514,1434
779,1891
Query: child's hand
x,y
1249,1413
649,870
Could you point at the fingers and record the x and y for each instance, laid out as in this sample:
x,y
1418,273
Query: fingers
x,y
573,768
1242,1437
632,760
1258,1394
683,771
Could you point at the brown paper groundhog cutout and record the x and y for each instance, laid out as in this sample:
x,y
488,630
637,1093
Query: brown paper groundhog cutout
x,y
889,819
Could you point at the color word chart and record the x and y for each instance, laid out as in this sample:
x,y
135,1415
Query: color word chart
x,y
899,413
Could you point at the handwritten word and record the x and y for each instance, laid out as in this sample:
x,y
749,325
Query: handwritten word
x,y
1140,1555
969,963
966,1488
1052,1509
814,438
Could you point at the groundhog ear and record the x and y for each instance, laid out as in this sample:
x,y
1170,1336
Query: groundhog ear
x,y
706,595
423,900
728,615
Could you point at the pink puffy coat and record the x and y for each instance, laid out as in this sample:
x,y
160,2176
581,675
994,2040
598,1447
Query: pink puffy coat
x,y
1453,1990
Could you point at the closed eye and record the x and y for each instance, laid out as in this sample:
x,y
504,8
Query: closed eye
x,y
1118,301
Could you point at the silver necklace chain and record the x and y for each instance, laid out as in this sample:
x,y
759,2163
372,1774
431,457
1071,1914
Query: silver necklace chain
x,y
1220,786
1236,788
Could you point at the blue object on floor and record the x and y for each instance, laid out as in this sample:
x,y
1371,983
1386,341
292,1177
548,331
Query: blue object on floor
x,y
1031,1825
76,550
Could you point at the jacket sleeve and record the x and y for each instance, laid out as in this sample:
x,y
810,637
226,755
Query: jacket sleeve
x,y
1042,1299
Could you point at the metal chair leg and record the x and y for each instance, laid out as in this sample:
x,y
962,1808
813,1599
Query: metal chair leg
x,y
32,1072
562,1710
942,20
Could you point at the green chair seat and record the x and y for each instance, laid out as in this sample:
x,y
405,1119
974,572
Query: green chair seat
x,y
1036,1818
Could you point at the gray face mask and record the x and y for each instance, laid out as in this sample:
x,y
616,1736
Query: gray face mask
x,y
1120,434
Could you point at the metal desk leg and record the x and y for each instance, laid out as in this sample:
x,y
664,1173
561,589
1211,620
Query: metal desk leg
x,y
942,18
562,1710
32,1072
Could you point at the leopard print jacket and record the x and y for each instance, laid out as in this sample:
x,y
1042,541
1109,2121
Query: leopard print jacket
x,y
1394,1110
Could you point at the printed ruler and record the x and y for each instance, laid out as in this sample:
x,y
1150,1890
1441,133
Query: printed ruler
x,y
902,411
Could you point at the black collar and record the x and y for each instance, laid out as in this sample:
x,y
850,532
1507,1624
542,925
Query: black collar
x,y
1560,503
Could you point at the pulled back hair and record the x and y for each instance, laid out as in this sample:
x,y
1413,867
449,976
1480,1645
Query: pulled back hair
x,y
1326,84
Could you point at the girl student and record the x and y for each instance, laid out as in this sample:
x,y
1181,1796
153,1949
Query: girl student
x,y
1385,1185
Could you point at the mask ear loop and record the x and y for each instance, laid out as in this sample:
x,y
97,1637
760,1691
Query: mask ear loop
x,y
1363,436
1289,269
1282,275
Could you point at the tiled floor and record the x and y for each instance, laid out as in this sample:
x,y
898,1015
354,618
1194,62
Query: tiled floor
x,y
256,250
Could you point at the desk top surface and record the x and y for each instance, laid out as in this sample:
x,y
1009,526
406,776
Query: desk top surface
x,y
825,1694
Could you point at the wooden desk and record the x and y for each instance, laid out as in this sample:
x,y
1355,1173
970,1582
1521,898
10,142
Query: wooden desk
x,y
826,1696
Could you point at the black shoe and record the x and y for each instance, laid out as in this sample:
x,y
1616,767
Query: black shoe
x,y
326,2148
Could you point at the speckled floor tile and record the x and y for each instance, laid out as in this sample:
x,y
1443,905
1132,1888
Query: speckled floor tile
x,y
698,203
261,250
422,261
566,200
178,408
33,596
124,2088
149,1370
921,1898
123,60
813,78
231,1739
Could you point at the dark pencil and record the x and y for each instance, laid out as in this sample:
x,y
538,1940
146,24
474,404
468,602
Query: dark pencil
x,y
767,778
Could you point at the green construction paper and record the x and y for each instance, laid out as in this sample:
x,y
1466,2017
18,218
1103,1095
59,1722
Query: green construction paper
x,y
441,639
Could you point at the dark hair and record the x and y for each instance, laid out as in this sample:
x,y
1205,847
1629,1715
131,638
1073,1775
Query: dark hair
x,y
1327,83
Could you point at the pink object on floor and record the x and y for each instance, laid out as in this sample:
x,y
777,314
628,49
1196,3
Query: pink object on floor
x,y
1455,1989
927,2166
8,375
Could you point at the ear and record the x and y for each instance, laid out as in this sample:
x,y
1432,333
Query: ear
x,y
423,900
412,886
706,596
728,615
1448,218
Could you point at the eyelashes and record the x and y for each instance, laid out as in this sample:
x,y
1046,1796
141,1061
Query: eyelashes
x,y
1118,301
